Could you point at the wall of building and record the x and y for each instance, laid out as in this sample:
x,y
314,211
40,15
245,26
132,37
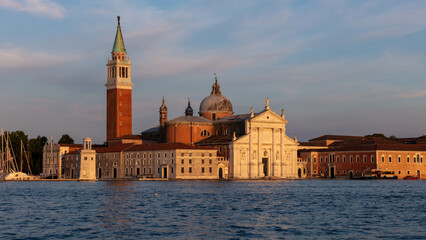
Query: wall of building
x,y
187,133
404,163
119,113
265,150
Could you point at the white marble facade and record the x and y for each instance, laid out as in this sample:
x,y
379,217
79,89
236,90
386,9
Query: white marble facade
x,y
265,151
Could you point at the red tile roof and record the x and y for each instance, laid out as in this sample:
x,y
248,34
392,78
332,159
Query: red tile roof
x,y
115,148
337,137
164,146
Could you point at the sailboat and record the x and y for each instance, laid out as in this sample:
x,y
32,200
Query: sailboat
x,y
8,168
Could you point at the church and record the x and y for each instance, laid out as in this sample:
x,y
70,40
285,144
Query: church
x,y
213,145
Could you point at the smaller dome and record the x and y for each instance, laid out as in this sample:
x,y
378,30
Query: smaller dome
x,y
188,110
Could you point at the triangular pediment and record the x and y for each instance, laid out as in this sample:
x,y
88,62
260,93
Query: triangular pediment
x,y
268,116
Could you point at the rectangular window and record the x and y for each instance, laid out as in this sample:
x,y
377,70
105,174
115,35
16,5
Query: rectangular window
x,y
399,159
171,170
158,170
190,161
182,154
357,159
210,169
390,159
202,169
315,159
408,159
182,170
383,159
190,170
351,159
344,159
337,159
408,172
183,161
202,161
320,159
326,160
210,161
365,159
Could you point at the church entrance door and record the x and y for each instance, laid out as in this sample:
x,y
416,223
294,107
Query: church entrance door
x,y
332,172
265,166
220,173
115,173
164,172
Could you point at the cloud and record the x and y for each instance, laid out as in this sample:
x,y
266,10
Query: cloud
x,y
13,57
38,7
412,94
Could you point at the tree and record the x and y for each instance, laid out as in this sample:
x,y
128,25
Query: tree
x,y
381,135
378,135
66,139
36,150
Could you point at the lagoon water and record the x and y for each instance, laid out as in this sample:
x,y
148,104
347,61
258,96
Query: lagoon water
x,y
307,209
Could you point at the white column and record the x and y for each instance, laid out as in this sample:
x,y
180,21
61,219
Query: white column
x,y
272,164
250,153
260,154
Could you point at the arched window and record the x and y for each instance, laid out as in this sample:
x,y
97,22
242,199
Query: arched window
x,y
205,133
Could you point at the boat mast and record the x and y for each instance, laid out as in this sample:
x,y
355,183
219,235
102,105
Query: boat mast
x,y
2,152
12,167
21,157
28,156
51,156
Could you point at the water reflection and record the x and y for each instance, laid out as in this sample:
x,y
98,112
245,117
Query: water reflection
x,y
117,206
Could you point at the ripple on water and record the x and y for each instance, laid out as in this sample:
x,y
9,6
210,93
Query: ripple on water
x,y
213,210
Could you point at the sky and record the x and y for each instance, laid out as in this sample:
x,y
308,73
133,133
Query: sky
x,y
336,67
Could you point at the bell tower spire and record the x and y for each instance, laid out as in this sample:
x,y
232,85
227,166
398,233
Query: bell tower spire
x,y
119,90
163,113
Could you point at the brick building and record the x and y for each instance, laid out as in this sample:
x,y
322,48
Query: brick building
x,y
334,156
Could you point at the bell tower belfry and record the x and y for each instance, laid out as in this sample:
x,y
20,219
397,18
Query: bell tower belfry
x,y
119,90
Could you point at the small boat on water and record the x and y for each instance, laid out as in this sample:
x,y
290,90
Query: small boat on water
x,y
9,170
17,176
411,178
378,174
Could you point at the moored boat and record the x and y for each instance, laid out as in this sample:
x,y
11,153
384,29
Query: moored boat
x,y
411,178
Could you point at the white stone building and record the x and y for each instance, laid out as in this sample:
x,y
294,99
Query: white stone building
x,y
87,161
264,151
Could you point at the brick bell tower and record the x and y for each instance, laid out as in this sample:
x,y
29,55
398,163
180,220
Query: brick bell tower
x,y
119,90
